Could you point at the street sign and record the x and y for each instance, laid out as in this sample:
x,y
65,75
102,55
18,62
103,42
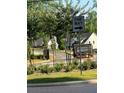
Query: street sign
x,y
78,26
78,23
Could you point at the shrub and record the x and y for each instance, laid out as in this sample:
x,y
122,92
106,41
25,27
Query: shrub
x,y
31,70
44,69
88,65
50,69
75,64
85,65
68,68
62,65
93,65
39,68
58,67
61,43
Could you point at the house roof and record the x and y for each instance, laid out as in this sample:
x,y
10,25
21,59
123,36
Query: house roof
x,y
38,42
85,36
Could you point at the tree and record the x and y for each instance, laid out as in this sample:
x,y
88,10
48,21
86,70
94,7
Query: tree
x,y
91,19
53,47
95,3
33,20
91,22
55,20
64,14
38,22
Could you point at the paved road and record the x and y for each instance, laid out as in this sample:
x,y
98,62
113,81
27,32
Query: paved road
x,y
79,88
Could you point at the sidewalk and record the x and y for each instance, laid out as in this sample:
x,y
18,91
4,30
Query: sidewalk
x,y
93,81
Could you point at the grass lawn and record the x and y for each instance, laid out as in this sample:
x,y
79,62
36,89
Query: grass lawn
x,y
61,76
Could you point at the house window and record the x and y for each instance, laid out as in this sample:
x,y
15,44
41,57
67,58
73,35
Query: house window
x,y
93,42
89,42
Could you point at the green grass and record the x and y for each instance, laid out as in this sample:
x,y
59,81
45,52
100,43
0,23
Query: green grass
x,y
61,76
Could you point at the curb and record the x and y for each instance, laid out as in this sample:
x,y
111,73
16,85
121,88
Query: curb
x,y
93,81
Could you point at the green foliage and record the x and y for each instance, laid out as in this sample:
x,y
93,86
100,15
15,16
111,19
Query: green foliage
x,y
88,65
68,68
75,64
58,67
53,46
39,68
31,70
93,65
91,22
45,39
55,19
45,69
61,44
61,77
51,69
62,65
29,52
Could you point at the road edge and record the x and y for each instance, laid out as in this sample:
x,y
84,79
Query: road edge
x,y
93,81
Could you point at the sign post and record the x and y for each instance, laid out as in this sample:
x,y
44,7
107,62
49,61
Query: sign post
x,y
80,51
78,26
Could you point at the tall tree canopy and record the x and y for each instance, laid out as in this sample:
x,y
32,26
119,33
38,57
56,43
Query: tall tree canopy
x,y
54,17
91,22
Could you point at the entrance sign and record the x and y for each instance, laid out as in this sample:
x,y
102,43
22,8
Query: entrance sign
x,y
78,23
85,50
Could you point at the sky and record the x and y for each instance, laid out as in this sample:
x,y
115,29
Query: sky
x,y
83,2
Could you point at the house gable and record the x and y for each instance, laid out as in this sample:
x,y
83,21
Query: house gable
x,y
92,40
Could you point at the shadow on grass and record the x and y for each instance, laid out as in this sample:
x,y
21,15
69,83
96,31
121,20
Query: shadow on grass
x,y
51,80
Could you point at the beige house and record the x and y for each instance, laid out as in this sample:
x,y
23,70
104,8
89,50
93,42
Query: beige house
x,y
89,38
